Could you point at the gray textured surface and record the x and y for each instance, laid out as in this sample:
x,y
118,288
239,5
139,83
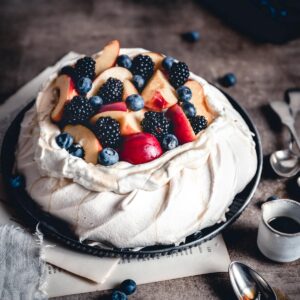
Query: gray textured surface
x,y
34,34
22,274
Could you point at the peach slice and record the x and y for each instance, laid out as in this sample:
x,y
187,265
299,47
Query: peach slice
x,y
199,100
66,88
182,127
115,72
129,89
107,57
158,93
118,106
157,58
87,139
130,122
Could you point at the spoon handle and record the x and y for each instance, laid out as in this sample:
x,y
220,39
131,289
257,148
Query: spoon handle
x,y
294,134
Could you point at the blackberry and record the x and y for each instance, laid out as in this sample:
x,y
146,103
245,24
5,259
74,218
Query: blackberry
x,y
157,124
70,71
107,130
111,91
85,67
179,74
198,123
142,65
79,110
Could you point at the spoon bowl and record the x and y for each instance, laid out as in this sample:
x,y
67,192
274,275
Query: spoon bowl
x,y
285,163
248,284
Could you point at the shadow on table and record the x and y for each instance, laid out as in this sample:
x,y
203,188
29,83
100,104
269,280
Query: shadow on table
x,y
241,242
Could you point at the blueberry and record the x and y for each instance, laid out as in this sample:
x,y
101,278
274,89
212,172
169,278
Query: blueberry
x,y
76,150
228,80
189,109
184,93
108,157
64,140
191,36
16,181
83,85
271,198
135,102
124,61
169,142
128,286
96,101
167,63
138,82
117,295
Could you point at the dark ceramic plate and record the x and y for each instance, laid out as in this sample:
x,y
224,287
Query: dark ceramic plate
x,y
59,230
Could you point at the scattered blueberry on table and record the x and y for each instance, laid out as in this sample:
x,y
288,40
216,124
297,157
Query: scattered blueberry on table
x,y
64,140
118,295
16,181
128,286
184,93
228,80
271,198
191,36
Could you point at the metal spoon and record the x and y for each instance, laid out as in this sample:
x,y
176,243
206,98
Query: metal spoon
x,y
285,163
283,111
248,284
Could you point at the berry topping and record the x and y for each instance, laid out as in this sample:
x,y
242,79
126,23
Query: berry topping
x,y
142,65
68,70
138,82
128,286
228,80
135,102
107,130
64,140
167,63
191,36
198,123
189,109
108,157
96,102
140,148
169,142
184,93
111,91
156,123
83,85
79,110
76,150
85,67
179,74
124,61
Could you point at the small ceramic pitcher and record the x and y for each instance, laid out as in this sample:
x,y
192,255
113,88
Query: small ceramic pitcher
x,y
276,245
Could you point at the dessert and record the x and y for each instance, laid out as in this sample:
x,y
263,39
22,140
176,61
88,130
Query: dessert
x,y
132,149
